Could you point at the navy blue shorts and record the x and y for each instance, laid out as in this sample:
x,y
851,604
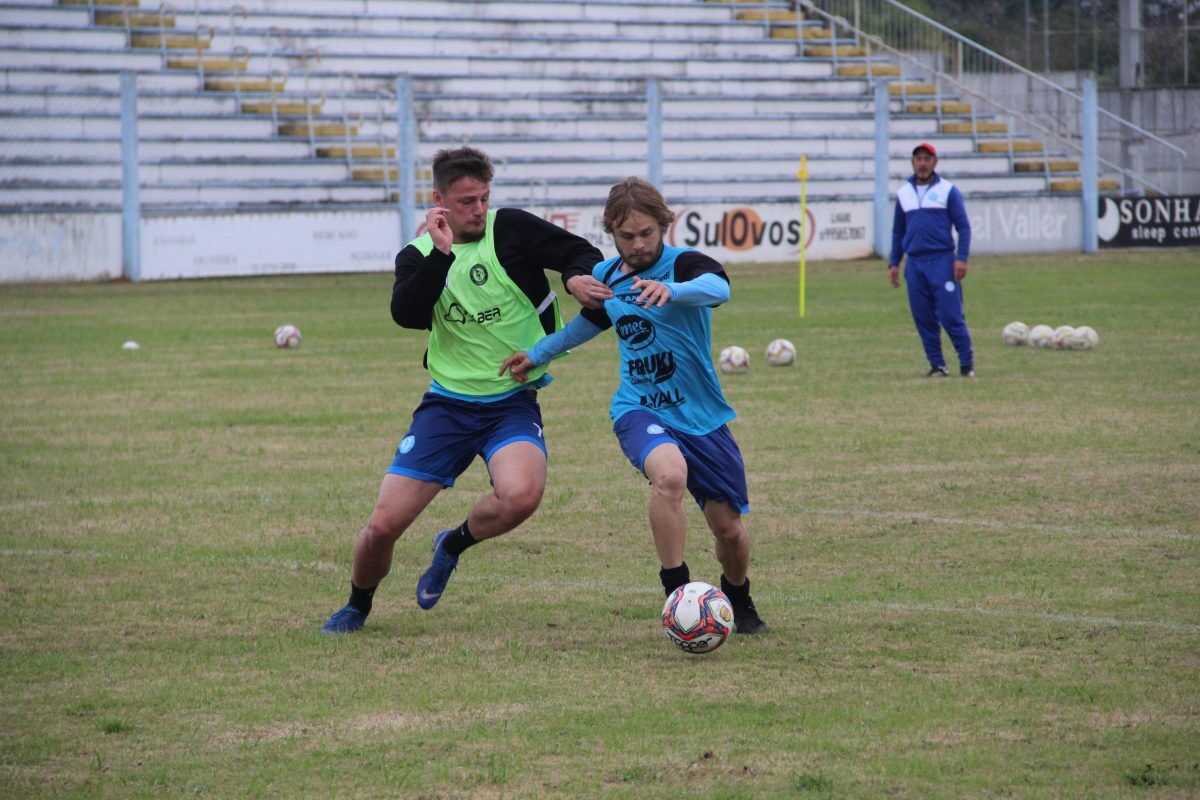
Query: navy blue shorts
x,y
446,434
714,462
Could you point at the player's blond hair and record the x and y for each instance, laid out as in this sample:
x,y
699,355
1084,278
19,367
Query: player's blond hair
x,y
635,194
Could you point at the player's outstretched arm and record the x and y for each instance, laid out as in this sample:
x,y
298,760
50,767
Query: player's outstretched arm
x,y
576,332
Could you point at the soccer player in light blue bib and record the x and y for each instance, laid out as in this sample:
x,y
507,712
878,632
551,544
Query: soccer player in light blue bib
x,y
668,411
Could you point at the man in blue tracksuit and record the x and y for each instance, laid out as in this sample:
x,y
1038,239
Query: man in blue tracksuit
x,y
927,207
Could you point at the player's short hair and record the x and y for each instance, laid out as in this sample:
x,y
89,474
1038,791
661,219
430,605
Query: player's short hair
x,y
635,194
450,165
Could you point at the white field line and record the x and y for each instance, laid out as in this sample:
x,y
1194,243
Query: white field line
x,y
1112,533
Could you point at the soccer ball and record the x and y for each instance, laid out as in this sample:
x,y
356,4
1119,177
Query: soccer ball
x,y
1084,338
734,360
1061,334
287,336
1041,336
780,353
1016,334
698,617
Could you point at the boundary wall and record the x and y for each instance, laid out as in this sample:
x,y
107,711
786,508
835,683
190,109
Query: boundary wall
x,y
87,246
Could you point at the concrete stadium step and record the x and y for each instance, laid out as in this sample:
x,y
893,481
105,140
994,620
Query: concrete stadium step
x,y
1047,165
49,126
104,80
443,44
1014,146
687,146
1074,185
227,171
422,66
91,38
374,25
671,87
634,105
54,58
491,9
109,194
37,16
449,126
152,149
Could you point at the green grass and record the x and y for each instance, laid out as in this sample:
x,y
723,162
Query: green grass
x,y
976,588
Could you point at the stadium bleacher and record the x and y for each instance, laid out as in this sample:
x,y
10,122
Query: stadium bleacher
x,y
290,102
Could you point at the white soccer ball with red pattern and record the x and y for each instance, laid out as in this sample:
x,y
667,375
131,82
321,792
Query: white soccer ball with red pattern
x,y
1041,336
697,617
1084,338
1016,334
780,353
287,336
1061,334
734,360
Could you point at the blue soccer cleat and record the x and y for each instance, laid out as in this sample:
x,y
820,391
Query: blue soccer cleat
x,y
346,619
433,580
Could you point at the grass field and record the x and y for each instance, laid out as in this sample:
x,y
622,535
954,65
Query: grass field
x,y
980,588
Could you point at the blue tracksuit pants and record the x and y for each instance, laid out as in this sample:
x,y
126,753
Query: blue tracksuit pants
x,y
936,301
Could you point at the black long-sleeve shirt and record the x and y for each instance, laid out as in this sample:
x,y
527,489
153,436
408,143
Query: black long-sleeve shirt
x,y
525,246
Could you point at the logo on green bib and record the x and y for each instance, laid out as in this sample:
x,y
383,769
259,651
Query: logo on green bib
x,y
479,274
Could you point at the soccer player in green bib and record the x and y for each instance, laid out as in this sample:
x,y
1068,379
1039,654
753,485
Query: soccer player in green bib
x,y
475,281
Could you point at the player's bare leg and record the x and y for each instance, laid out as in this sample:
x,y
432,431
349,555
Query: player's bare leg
x,y
518,473
667,472
733,551
732,542
401,500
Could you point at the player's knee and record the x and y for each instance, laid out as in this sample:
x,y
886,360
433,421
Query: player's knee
x,y
670,483
381,529
520,504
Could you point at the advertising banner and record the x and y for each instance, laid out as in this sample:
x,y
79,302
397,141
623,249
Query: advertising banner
x,y
744,233
209,246
1149,221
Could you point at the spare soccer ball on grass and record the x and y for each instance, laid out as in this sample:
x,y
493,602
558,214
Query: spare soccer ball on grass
x,y
734,360
698,617
1084,338
287,336
1041,336
1016,334
780,353
1061,334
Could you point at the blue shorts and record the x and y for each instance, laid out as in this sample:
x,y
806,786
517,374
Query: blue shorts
x,y
714,462
446,434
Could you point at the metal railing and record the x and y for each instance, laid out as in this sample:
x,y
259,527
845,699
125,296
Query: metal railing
x,y
925,49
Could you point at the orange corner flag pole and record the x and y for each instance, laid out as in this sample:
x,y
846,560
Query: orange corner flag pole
x,y
802,176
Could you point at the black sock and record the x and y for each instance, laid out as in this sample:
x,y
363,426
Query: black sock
x,y
361,598
735,593
674,577
458,540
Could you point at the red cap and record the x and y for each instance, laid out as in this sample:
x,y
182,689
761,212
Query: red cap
x,y
925,146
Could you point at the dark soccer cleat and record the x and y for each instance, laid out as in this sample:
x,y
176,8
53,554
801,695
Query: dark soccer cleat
x,y
967,372
346,619
745,617
937,372
433,580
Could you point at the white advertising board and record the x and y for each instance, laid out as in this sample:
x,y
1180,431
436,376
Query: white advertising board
x,y
209,246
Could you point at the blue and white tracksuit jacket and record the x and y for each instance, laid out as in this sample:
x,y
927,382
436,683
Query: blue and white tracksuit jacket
x,y
922,230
